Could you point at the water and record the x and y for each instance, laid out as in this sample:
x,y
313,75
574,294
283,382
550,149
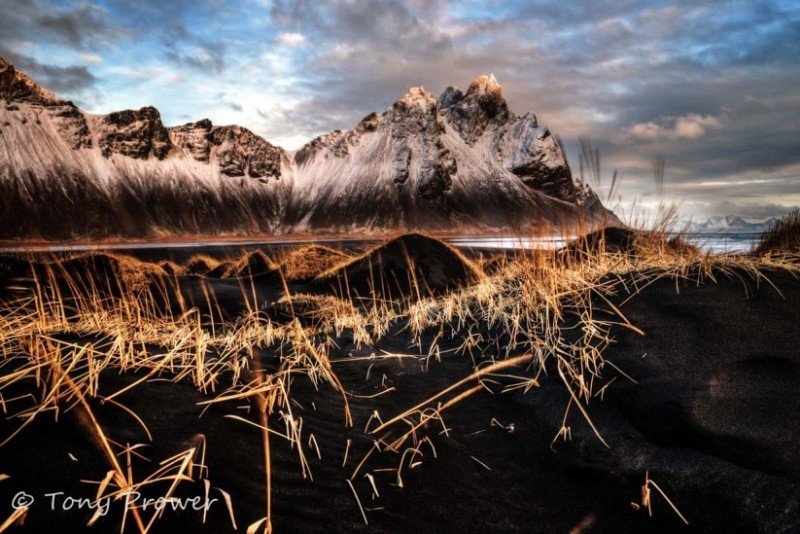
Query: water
x,y
509,242
730,243
713,242
725,242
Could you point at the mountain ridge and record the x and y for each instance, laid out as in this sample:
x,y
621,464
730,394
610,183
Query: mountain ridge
x,y
732,223
461,160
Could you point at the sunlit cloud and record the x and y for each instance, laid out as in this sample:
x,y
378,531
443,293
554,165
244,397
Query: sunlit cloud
x,y
691,126
291,39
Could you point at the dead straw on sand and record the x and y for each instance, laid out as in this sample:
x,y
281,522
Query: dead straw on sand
x,y
136,319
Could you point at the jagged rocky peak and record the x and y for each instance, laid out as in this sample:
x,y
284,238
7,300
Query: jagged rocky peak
x,y
526,149
133,133
415,113
236,150
482,107
486,84
421,156
416,98
419,152
15,86
449,97
462,160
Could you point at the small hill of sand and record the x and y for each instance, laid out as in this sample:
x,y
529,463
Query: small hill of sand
x,y
410,265
250,264
200,265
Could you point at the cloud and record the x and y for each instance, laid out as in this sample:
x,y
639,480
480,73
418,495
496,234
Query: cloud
x,y
184,48
92,58
291,39
32,30
69,79
691,126
81,25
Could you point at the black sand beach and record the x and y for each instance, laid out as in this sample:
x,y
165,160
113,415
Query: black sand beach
x,y
701,398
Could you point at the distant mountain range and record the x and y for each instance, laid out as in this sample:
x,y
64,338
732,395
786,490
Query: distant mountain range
x,y
459,162
731,224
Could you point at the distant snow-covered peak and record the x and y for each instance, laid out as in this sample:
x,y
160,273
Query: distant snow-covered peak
x,y
731,223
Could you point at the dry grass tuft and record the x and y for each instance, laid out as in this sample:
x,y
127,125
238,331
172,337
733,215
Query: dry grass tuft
x,y
309,261
250,263
783,238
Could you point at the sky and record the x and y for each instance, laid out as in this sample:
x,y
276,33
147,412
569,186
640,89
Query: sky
x,y
712,86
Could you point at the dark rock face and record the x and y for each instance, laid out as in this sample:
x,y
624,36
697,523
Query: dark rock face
x,y
16,86
240,152
316,145
536,156
71,125
134,133
450,97
237,150
434,180
193,137
481,107
415,118
402,161
539,160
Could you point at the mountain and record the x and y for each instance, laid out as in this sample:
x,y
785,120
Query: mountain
x,y
458,162
732,224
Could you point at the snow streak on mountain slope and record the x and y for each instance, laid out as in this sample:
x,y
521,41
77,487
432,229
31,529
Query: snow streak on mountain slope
x,y
462,162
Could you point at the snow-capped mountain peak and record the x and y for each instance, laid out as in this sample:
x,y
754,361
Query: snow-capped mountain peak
x,y
732,223
459,162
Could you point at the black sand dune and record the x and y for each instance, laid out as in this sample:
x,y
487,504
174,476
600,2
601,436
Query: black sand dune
x,y
250,264
410,265
198,265
714,418
99,272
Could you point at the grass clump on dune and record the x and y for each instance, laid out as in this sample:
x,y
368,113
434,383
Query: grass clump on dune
x,y
309,261
783,238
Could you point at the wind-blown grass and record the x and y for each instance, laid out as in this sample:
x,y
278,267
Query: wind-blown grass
x,y
783,238
130,316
